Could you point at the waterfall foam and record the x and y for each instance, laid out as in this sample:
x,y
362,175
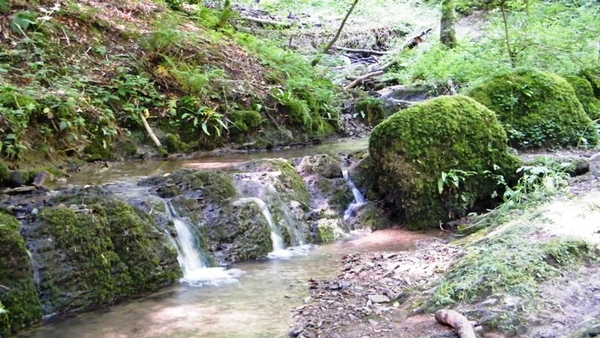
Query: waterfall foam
x,y
192,260
359,199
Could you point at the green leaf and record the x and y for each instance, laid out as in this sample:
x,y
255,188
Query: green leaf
x,y
63,125
440,186
205,129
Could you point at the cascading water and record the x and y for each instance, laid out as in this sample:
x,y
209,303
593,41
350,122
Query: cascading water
x,y
279,250
192,261
359,199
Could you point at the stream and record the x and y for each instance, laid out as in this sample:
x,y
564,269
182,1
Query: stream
x,y
255,304
252,299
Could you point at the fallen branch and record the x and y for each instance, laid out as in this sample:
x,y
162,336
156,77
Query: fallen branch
x,y
149,130
339,31
460,323
360,79
267,22
364,51
409,44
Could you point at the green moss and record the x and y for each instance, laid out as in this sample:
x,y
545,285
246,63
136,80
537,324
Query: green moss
x,y
585,93
18,295
174,144
593,76
510,264
537,109
325,233
215,185
255,234
246,120
4,173
291,180
108,251
371,110
410,150
141,247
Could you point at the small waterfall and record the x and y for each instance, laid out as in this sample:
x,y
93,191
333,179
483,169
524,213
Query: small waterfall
x,y
359,199
192,260
279,250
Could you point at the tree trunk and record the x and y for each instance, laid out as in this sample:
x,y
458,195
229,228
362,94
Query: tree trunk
x,y
447,32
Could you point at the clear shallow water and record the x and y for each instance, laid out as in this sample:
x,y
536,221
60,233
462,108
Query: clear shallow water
x,y
258,305
254,300
133,170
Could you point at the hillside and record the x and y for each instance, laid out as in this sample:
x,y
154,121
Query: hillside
x,y
79,78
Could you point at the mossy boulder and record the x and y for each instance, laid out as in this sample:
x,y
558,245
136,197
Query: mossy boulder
x,y
585,93
19,302
593,76
410,151
98,253
537,109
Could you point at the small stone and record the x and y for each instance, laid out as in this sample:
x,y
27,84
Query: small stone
x,y
378,298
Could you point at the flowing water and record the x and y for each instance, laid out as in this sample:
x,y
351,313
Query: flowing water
x,y
252,300
258,305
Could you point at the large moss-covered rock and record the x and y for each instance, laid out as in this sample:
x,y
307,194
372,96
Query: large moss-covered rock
x,y
97,253
410,151
537,109
585,93
19,302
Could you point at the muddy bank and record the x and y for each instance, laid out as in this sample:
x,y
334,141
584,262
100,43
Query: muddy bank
x,y
530,273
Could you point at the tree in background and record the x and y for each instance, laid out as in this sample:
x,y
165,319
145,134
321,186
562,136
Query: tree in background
x,y
447,32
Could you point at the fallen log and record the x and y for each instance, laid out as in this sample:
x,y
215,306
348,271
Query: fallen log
x,y
267,22
358,50
361,79
460,323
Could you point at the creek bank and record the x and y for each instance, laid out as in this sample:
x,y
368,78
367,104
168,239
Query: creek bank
x,y
529,274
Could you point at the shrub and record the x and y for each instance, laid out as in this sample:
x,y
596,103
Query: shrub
x,y
452,136
537,109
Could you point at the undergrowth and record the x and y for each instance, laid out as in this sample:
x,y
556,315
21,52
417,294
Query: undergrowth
x,y
78,82
509,256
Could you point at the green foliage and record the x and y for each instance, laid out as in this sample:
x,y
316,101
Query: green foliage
x,y
537,109
371,110
508,264
411,149
307,100
552,36
246,120
538,183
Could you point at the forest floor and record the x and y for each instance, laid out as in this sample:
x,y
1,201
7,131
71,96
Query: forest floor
x,y
385,294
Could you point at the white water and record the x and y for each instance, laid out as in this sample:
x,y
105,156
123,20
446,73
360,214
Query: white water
x,y
279,250
195,270
359,199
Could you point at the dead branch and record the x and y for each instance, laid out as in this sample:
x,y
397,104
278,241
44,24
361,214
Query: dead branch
x,y
360,79
408,44
460,323
149,130
339,31
267,22
364,51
